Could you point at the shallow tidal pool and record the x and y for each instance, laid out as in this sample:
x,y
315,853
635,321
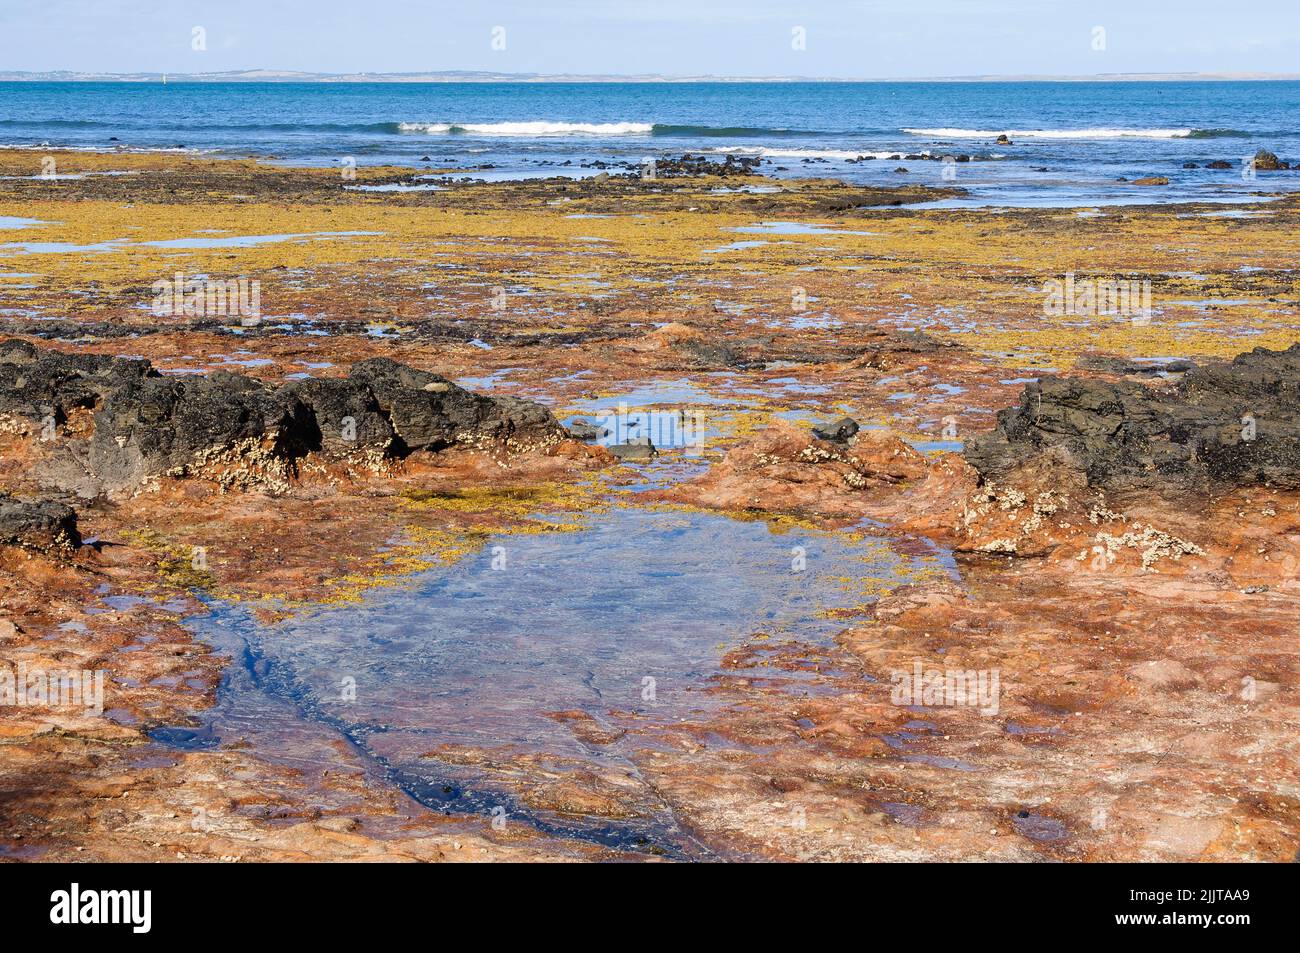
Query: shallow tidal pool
x,y
447,685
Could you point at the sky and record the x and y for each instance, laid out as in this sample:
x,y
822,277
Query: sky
x,y
815,38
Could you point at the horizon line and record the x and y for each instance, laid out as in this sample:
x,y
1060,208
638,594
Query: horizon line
x,y
489,76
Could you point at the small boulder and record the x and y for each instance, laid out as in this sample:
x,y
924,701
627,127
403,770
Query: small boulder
x,y
584,430
838,431
1266,161
638,449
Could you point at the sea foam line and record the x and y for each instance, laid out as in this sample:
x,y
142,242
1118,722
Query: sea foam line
x,y
537,128
777,153
1054,133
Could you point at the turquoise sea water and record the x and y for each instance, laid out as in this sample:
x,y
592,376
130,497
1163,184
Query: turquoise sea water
x,y
1072,141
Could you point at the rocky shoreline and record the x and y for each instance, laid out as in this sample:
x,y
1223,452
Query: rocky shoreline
x,y
1113,530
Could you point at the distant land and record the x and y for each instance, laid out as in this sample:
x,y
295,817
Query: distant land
x,y
469,76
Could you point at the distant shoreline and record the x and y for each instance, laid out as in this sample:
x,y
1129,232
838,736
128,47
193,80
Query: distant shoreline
x,y
287,76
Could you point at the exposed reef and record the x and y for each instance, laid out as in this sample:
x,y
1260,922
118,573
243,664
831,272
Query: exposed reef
x,y
238,430
1234,424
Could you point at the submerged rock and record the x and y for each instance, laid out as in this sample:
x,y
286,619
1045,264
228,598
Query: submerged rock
x,y
1232,424
637,449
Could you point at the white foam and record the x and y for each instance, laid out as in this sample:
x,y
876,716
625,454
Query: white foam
x,y
777,153
530,128
1053,133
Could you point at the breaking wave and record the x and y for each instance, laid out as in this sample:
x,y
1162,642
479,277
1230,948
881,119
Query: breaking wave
x,y
528,128
1056,133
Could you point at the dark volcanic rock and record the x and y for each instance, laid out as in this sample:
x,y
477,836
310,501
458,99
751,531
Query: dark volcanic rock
x,y
164,424
713,353
585,430
690,166
1266,161
1118,365
429,412
345,417
41,525
36,384
915,342
1232,424
839,431
241,431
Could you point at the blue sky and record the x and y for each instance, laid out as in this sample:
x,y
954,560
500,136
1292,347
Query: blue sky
x,y
863,38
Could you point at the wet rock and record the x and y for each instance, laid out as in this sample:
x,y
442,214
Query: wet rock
x,y
695,345
914,342
584,430
41,524
1266,161
1233,424
636,449
1004,140
839,431
1038,827
713,354
787,469
1219,164
692,166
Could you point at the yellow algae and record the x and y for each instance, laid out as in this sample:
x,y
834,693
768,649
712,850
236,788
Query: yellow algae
x,y
465,242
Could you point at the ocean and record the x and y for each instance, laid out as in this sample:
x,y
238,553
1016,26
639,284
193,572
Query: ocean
x,y
1072,142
